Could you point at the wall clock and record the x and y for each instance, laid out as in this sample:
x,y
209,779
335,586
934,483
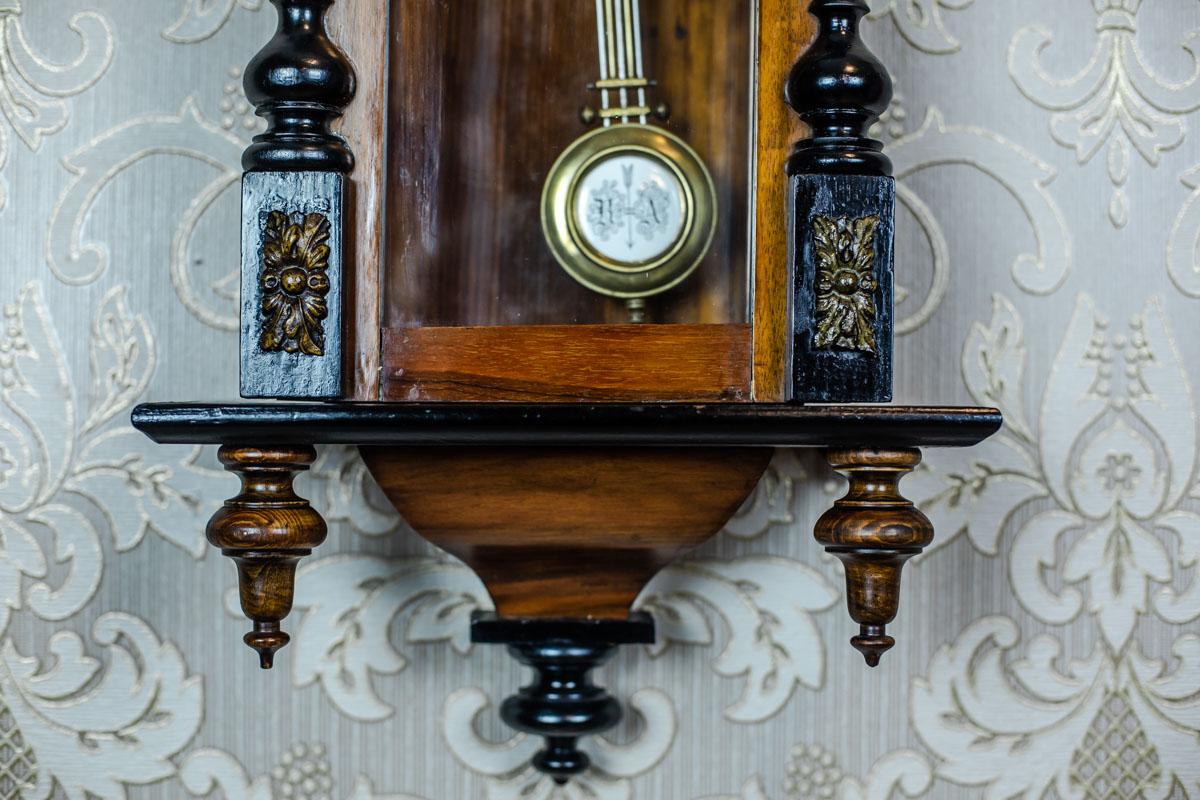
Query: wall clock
x,y
469,353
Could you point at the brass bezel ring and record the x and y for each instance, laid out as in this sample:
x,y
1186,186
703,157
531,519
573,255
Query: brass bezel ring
x,y
604,275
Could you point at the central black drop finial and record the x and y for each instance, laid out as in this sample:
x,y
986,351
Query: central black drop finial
x,y
562,704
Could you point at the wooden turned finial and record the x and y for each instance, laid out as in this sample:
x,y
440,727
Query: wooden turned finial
x,y
266,530
562,703
873,530
839,88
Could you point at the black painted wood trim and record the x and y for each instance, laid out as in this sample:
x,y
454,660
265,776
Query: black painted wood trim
x,y
300,82
554,424
839,88
487,627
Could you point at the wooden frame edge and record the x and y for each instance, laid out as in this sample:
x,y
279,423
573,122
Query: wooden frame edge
x,y
356,27
784,31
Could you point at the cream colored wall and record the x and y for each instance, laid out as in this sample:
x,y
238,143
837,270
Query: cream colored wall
x,y
1050,181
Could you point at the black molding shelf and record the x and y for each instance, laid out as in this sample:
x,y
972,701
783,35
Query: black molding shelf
x,y
566,424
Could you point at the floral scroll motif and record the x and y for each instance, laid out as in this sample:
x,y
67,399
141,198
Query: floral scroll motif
x,y
294,283
78,256
350,606
1031,722
813,773
920,22
1183,248
846,284
1116,101
772,500
303,771
767,604
71,473
34,90
76,726
1098,494
1025,178
201,19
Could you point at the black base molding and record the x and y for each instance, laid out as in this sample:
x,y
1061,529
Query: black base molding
x,y
562,703
566,424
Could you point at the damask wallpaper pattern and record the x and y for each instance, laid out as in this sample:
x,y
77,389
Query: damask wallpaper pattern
x,y
1048,263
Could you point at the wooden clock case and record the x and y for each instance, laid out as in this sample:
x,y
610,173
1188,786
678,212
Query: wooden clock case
x,y
514,418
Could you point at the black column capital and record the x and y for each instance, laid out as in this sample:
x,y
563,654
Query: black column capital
x,y
839,88
300,82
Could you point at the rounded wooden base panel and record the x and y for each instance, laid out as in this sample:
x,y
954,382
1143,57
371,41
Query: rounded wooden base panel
x,y
567,531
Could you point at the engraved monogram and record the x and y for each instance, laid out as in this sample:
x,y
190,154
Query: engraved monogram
x,y
611,210
846,284
294,283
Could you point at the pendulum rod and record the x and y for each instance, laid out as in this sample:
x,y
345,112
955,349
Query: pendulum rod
x,y
619,39
617,36
634,10
603,47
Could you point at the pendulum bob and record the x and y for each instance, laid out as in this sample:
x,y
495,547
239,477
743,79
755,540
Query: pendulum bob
x,y
266,530
873,530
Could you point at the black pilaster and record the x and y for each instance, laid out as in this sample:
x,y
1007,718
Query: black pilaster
x,y
293,211
841,217
562,704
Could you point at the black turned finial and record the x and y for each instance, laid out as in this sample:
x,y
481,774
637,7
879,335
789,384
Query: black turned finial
x,y
300,82
839,88
562,704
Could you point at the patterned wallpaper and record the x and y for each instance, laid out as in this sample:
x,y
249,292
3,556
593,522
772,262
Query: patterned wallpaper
x,y
1048,264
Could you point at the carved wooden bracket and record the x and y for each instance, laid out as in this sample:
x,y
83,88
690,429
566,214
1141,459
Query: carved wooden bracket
x,y
566,511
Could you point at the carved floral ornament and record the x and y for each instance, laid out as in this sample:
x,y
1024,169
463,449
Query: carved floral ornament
x,y
846,284
294,283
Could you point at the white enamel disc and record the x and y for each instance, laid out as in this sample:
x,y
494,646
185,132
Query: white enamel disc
x,y
630,208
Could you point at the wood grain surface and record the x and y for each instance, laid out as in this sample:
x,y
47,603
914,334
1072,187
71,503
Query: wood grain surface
x,y
784,32
556,363
873,530
361,28
266,529
566,532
